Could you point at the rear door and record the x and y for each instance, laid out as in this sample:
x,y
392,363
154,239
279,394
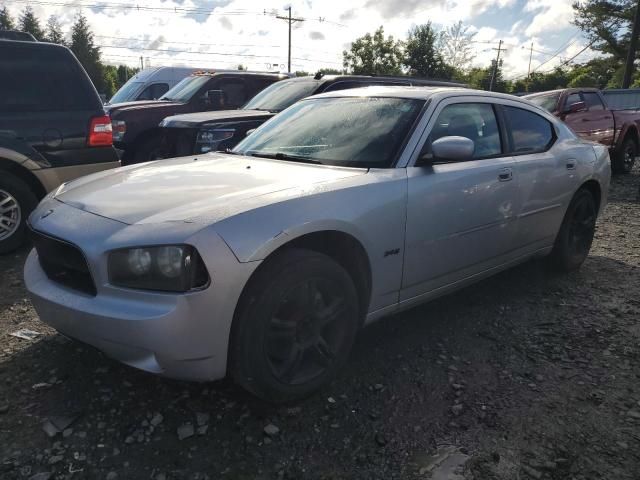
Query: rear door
x,y
547,175
47,102
600,121
461,216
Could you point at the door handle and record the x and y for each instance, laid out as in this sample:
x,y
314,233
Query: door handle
x,y
505,175
571,165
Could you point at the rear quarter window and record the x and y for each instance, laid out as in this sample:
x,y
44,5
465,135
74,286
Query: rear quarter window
x,y
529,132
43,80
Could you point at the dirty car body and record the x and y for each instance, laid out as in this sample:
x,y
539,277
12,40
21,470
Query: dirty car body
x,y
398,223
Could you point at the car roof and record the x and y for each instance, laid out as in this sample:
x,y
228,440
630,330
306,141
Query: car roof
x,y
423,93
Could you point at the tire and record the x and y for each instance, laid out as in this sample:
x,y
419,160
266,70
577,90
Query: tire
x,y
279,349
576,233
17,201
147,150
623,160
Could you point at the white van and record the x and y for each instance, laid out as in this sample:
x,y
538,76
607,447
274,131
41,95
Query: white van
x,y
151,83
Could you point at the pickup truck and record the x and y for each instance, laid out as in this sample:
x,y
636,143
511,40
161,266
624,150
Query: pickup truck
x,y
197,133
135,124
586,112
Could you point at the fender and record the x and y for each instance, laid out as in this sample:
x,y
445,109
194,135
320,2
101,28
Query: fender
x,y
627,128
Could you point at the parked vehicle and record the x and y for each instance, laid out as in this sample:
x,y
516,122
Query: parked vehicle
x,y
135,124
218,131
16,35
587,113
346,207
52,129
151,83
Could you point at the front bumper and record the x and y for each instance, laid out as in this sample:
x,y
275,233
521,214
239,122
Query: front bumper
x,y
183,336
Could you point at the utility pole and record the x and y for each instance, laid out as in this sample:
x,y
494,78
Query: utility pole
x,y
291,20
141,63
633,45
495,67
529,69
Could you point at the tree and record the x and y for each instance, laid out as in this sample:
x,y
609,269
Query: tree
x,y
241,67
54,31
6,21
480,78
29,23
455,43
607,24
422,55
87,53
374,54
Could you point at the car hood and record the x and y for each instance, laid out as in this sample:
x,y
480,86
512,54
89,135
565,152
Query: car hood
x,y
202,189
131,106
191,120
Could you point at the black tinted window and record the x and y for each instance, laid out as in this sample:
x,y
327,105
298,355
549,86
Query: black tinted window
x,y
345,85
154,92
43,79
593,101
475,121
234,92
529,131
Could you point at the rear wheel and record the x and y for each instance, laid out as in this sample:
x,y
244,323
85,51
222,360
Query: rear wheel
x,y
576,233
147,150
623,160
295,326
16,203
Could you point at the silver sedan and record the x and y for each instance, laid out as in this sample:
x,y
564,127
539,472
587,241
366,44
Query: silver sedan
x,y
263,263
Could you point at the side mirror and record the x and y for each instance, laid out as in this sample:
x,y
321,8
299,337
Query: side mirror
x,y
453,149
214,98
575,107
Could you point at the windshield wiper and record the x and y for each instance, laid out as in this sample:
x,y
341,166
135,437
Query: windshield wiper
x,y
284,156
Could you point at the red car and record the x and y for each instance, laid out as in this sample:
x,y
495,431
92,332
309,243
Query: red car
x,y
587,113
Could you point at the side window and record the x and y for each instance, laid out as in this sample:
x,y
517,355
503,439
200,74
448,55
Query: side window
x,y
42,80
234,92
593,101
530,132
475,121
572,98
259,84
154,91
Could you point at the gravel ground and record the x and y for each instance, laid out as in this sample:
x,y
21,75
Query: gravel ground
x,y
526,375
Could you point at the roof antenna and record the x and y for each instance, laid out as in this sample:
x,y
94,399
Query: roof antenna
x,y
318,75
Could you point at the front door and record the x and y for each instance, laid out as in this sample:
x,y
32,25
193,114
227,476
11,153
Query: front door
x,y
461,216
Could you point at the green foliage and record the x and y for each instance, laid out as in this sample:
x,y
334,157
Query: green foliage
x,y
374,54
241,67
89,55
301,73
29,23
606,23
456,46
54,31
6,20
422,54
330,71
110,80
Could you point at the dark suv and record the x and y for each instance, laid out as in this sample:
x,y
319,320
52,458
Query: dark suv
x,y
135,124
53,128
210,131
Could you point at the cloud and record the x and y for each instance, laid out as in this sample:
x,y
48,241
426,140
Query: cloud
x,y
348,15
316,35
226,23
395,8
157,42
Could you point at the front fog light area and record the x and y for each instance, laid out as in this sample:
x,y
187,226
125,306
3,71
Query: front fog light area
x,y
167,268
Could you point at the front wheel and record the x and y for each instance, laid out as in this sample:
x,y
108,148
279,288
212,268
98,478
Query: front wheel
x,y
576,233
623,160
295,326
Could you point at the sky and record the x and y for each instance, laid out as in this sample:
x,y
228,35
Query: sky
x,y
225,33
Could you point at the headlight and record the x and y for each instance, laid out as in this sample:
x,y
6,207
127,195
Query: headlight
x,y
209,140
166,268
119,129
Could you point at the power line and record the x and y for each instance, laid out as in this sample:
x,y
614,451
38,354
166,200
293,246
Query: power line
x,y
224,54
